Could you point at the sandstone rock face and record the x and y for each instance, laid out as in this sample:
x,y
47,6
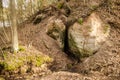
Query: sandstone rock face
x,y
56,30
86,38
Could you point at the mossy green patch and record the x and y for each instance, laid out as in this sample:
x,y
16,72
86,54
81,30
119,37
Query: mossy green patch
x,y
72,43
93,7
12,62
73,46
69,66
106,28
80,21
85,52
39,60
21,48
60,5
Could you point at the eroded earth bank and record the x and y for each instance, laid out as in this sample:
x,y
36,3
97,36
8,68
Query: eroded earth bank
x,y
81,36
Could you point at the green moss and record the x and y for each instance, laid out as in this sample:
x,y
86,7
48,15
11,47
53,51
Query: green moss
x,y
106,28
86,53
41,60
59,5
69,66
73,46
79,53
12,62
4,54
72,43
21,48
93,7
80,21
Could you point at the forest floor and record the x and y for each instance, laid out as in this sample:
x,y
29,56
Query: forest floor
x,y
104,65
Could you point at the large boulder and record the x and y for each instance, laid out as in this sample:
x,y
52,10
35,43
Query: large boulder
x,y
86,38
56,30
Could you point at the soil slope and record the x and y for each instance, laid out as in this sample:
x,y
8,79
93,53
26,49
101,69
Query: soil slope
x,y
104,65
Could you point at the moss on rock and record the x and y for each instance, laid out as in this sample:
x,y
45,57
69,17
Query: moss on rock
x,y
106,28
80,21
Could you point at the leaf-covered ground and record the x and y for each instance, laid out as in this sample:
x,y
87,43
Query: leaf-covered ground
x,y
104,65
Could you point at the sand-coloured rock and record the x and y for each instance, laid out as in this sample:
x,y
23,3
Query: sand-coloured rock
x,y
86,38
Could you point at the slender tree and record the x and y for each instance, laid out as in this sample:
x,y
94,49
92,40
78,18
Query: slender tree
x,y
14,26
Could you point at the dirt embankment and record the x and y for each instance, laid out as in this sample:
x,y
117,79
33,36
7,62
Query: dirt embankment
x,y
104,65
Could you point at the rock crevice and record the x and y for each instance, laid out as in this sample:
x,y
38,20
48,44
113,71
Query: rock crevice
x,y
79,39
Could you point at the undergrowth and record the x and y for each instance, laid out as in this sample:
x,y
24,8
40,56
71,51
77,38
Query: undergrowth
x,y
11,62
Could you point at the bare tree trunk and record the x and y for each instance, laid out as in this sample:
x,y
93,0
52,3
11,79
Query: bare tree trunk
x,y
14,26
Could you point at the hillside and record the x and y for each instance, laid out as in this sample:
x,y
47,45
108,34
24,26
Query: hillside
x,y
39,35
